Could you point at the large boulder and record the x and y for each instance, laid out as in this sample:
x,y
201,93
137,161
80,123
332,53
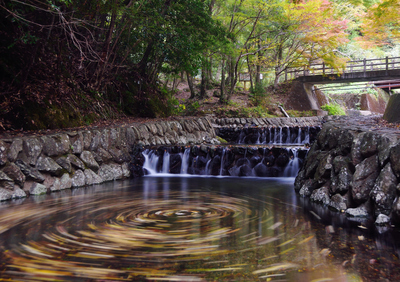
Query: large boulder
x,y
321,195
14,150
75,161
65,182
3,153
78,179
37,189
46,164
14,172
30,172
392,113
395,159
91,177
364,179
384,191
32,148
338,202
89,160
5,195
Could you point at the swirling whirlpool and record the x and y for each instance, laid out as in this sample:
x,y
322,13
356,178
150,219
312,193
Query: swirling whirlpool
x,y
155,233
123,237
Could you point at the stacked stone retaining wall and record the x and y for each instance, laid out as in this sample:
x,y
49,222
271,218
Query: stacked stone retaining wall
x,y
266,122
354,167
40,164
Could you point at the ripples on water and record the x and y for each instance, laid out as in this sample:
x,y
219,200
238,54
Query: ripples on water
x,y
187,229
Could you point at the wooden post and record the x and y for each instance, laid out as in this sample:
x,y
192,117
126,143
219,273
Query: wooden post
x,y
286,75
387,63
365,65
323,68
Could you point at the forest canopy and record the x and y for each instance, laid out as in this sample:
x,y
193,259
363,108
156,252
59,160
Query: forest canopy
x,y
67,63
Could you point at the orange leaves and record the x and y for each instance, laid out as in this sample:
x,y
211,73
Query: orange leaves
x,y
381,23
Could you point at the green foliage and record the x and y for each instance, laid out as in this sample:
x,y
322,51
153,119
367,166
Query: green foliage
x,y
294,113
258,94
334,109
193,107
175,107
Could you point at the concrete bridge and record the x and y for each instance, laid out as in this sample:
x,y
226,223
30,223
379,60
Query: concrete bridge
x,y
385,69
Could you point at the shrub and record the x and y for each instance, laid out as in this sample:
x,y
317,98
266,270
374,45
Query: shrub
x,y
334,109
258,94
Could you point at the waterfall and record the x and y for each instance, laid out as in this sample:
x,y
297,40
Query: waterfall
x,y
150,163
165,167
263,137
270,136
307,137
222,161
207,169
288,139
272,160
242,137
258,137
293,166
298,139
185,161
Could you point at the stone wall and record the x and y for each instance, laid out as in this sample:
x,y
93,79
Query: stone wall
x,y
40,164
354,167
267,122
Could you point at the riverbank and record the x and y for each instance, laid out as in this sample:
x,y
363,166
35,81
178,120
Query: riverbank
x,y
354,167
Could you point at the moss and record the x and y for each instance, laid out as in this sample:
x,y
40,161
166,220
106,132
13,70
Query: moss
x,y
294,113
221,140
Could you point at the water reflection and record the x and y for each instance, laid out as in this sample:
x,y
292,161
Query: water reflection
x,y
189,229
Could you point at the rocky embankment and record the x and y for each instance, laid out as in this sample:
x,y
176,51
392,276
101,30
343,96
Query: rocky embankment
x,y
354,167
34,165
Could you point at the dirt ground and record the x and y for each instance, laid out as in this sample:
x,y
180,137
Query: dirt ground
x,y
239,100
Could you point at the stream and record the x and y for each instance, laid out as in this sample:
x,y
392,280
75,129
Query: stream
x,y
189,228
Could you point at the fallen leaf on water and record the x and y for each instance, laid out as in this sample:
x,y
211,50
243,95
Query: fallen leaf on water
x,y
277,267
275,225
285,243
286,251
306,240
267,240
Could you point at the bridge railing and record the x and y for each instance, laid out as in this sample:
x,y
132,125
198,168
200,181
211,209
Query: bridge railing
x,y
355,66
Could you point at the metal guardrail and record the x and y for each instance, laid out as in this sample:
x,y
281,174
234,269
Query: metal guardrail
x,y
356,66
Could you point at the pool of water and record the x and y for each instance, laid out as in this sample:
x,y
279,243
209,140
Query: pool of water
x,y
189,229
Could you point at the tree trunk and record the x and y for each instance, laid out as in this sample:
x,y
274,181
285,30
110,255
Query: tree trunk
x,y
209,71
250,73
222,98
276,80
258,66
190,83
203,82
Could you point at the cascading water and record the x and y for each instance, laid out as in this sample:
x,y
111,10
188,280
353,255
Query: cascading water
x,y
267,152
185,161
166,163
151,161
228,161
222,161
293,166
